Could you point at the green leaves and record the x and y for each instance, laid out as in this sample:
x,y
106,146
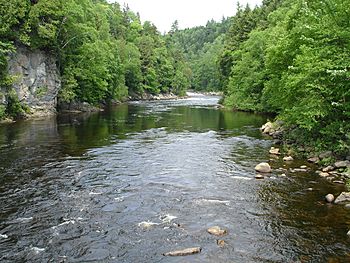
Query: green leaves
x,y
298,67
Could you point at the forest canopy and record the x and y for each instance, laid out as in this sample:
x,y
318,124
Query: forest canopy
x,y
103,51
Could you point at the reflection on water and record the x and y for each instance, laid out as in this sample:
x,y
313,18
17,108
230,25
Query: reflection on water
x,y
141,179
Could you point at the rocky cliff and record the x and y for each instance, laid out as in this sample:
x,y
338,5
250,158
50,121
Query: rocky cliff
x,y
36,80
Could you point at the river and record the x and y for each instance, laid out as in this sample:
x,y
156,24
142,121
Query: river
x,y
144,178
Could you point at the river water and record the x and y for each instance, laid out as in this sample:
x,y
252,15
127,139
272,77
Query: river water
x,y
145,178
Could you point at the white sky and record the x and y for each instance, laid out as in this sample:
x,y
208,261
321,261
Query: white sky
x,y
189,13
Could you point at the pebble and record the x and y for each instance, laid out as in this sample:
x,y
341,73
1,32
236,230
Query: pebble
x,y
303,167
217,231
329,198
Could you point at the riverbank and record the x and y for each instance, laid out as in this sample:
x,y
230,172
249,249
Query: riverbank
x,y
326,164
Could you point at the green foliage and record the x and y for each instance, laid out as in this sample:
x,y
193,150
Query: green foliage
x,y
14,107
41,91
295,63
2,111
201,47
103,52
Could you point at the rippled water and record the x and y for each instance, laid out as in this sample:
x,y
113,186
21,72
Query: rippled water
x,y
142,179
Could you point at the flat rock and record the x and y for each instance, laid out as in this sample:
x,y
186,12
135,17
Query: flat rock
x,y
322,174
299,170
343,197
259,176
338,182
184,252
328,169
263,168
342,164
329,198
313,160
217,231
274,151
288,159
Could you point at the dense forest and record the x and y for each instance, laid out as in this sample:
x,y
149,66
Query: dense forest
x,y
285,57
292,58
103,52
202,46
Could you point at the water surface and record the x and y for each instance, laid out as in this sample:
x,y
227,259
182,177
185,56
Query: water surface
x,y
145,178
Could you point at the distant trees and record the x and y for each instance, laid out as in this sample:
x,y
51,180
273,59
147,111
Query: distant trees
x,y
201,47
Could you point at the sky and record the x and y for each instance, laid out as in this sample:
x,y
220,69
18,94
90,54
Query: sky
x,y
189,13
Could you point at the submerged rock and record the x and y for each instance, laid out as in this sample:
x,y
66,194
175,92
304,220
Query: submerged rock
x,y
217,231
220,243
329,198
184,252
343,197
263,168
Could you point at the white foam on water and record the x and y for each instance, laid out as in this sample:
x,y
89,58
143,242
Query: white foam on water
x,y
167,218
242,178
23,219
64,223
212,201
147,224
119,199
37,250
95,193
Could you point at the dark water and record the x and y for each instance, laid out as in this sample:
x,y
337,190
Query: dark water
x,y
84,188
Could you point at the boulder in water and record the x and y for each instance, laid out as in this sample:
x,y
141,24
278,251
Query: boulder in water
x,y
263,168
343,197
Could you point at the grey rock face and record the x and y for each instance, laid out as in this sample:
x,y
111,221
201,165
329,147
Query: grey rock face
x,y
37,79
